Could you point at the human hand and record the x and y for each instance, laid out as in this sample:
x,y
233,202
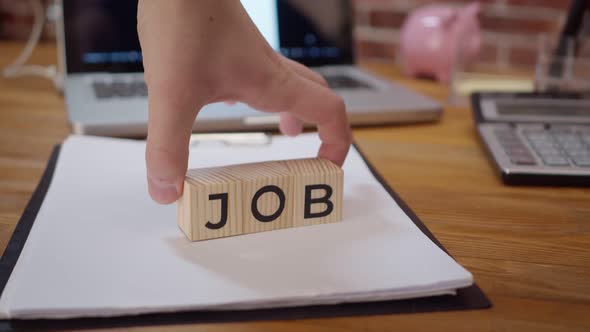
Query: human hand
x,y
200,52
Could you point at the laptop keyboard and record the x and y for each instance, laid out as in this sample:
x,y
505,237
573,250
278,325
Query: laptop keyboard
x,y
345,82
107,90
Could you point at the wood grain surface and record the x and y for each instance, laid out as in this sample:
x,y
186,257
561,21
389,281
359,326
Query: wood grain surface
x,y
528,248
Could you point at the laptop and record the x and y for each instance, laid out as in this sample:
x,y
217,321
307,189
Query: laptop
x,y
105,93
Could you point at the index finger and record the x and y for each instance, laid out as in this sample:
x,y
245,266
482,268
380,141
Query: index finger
x,y
315,103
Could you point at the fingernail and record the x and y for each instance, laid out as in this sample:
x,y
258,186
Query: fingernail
x,y
163,192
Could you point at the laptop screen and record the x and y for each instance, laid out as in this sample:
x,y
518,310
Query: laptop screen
x,y
315,32
101,36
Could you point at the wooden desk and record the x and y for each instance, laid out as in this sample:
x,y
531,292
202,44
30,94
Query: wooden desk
x,y
529,248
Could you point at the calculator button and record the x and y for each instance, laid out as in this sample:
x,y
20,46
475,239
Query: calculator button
x,y
563,134
523,160
556,128
582,152
506,136
566,129
539,138
567,138
576,145
530,127
542,141
548,151
544,146
512,145
504,132
583,161
508,139
503,129
518,150
535,132
555,161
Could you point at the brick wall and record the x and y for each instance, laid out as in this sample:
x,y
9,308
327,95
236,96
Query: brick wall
x,y
510,27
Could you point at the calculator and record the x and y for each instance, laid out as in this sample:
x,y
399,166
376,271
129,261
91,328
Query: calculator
x,y
536,138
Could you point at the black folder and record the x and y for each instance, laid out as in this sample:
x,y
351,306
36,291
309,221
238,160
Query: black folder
x,y
469,298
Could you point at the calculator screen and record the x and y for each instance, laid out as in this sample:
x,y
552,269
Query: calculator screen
x,y
544,110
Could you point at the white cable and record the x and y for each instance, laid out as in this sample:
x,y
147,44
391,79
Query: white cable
x,y
18,67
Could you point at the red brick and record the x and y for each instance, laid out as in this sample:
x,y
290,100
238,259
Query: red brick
x,y
378,2
518,26
558,4
470,1
386,19
412,4
488,53
359,17
521,56
584,49
371,49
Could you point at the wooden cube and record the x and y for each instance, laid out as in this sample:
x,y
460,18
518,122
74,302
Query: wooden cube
x,y
317,191
266,199
210,206
249,198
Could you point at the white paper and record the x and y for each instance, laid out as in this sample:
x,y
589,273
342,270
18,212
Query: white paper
x,y
101,247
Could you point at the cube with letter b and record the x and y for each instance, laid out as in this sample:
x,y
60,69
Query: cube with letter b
x,y
249,198
317,197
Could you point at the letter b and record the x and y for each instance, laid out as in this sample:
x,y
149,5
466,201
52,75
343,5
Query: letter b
x,y
309,201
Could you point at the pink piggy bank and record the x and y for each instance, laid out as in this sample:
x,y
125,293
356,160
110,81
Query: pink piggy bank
x,y
434,37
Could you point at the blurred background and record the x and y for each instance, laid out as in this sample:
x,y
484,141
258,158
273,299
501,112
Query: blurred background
x,y
510,27
516,40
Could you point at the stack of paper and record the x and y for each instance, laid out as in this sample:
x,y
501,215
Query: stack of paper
x,y
101,247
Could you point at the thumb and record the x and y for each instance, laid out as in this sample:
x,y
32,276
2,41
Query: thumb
x,y
174,94
170,122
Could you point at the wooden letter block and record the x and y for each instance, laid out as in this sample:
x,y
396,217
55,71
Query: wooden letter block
x,y
249,198
266,196
210,205
317,191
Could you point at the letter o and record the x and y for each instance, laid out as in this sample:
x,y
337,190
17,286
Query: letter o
x,y
273,189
